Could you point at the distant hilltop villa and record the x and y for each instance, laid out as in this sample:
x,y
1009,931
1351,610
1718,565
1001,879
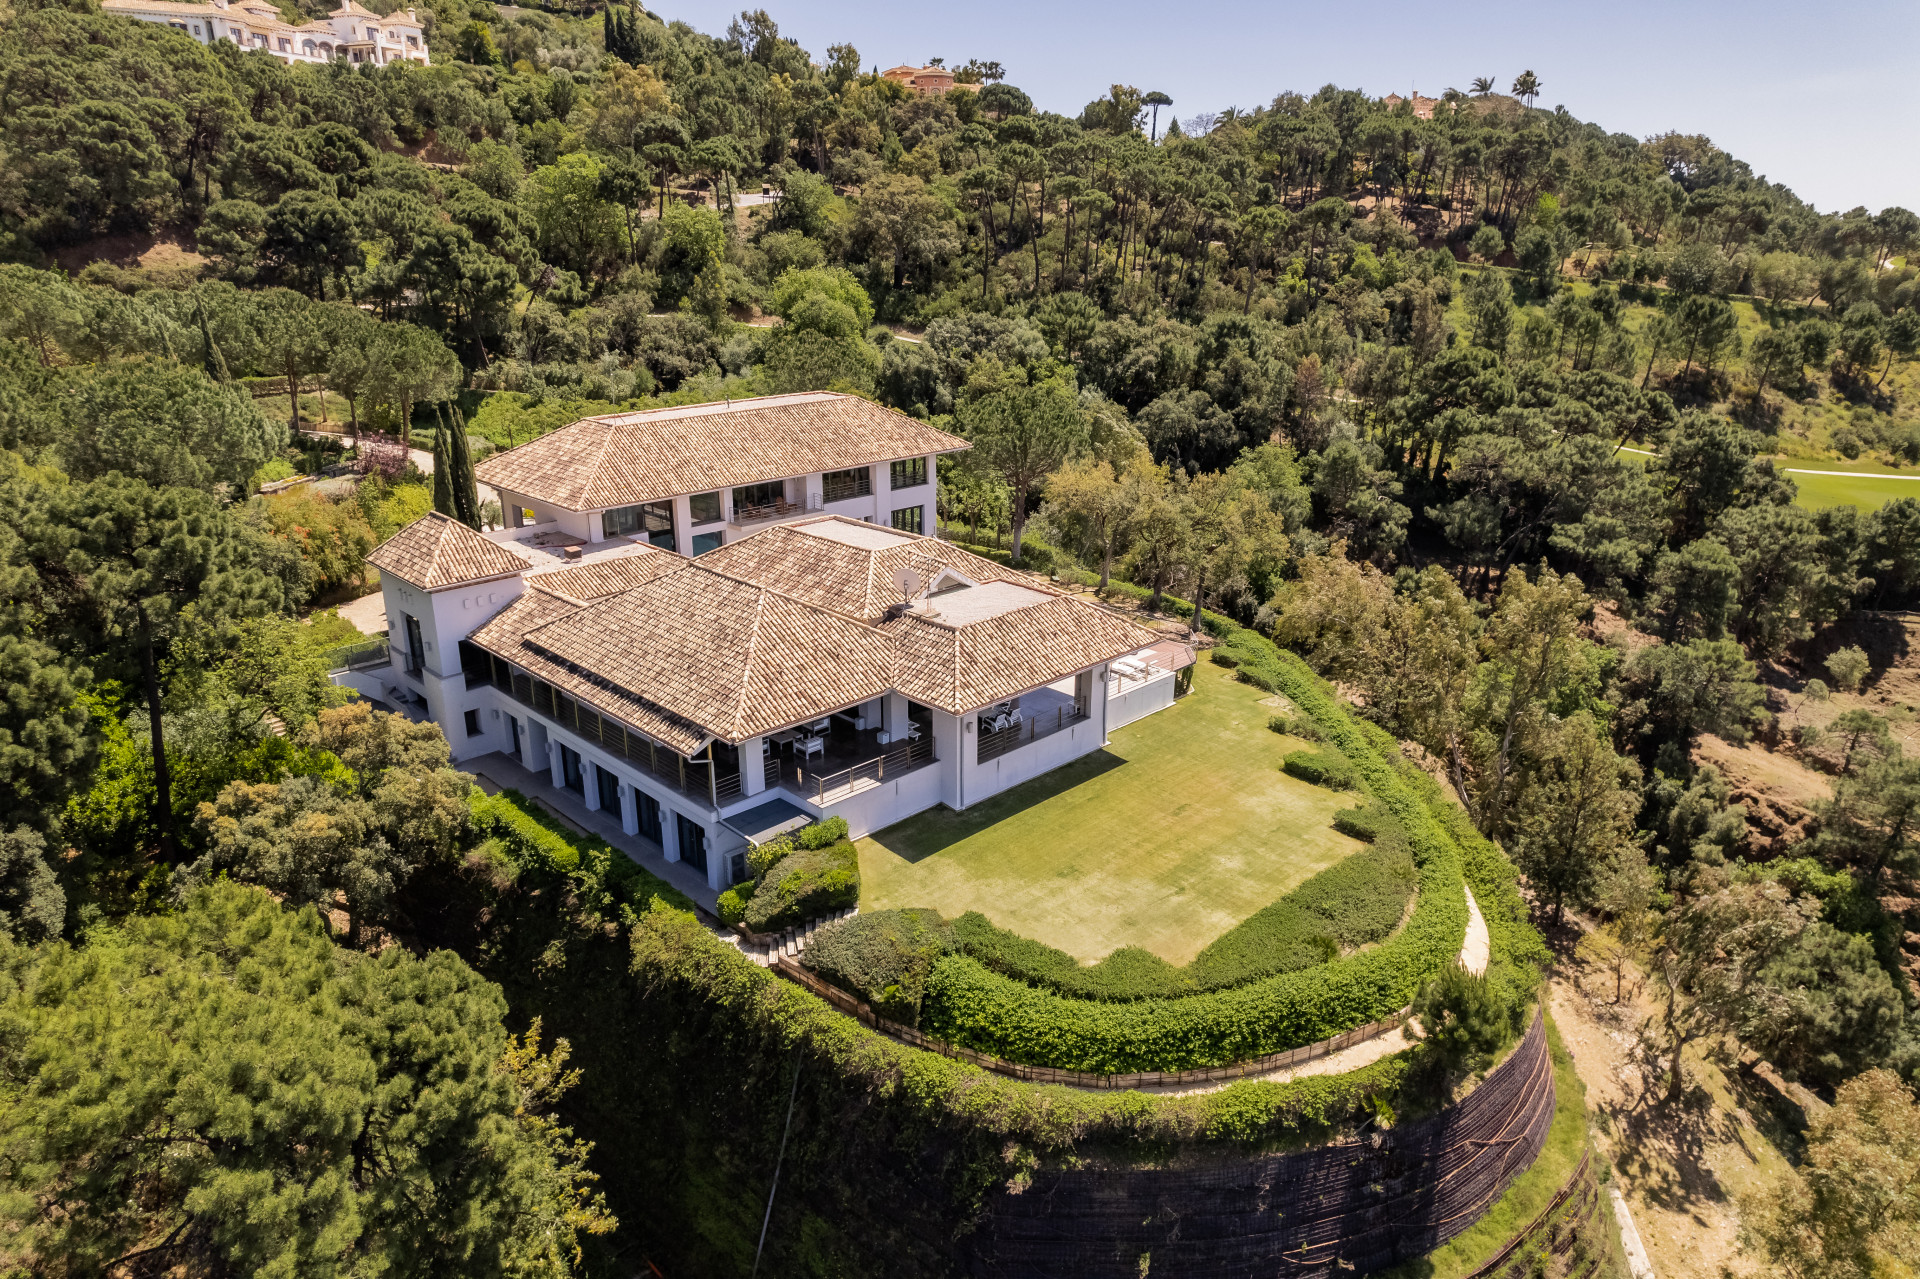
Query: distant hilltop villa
x,y
927,80
348,34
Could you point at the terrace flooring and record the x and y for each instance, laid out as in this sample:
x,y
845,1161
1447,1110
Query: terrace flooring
x,y
1180,829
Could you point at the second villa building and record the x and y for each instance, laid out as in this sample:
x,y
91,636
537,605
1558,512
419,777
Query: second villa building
x,y
723,621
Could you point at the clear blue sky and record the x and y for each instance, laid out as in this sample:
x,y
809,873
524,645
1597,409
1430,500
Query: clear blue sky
x,y
1820,96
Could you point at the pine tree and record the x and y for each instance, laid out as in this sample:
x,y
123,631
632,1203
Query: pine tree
x,y
466,490
442,467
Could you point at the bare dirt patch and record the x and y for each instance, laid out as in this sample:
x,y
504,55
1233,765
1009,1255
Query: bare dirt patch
x,y
1681,1165
1778,790
161,254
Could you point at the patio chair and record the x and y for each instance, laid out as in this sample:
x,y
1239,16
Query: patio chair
x,y
811,746
913,731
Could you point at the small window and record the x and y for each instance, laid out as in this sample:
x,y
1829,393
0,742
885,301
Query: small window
x,y
910,474
704,542
705,508
473,723
907,518
413,42
286,45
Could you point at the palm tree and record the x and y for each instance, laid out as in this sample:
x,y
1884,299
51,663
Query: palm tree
x,y
1156,100
1482,85
1527,85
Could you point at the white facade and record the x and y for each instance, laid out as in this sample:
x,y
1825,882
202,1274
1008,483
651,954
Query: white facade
x,y
350,33
911,506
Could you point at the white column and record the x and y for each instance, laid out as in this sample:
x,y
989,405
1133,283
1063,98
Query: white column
x,y
629,809
556,769
590,783
753,766
896,716
669,833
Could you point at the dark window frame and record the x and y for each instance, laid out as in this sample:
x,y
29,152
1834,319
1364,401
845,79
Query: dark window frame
x,y
908,473
696,501
847,485
915,524
472,720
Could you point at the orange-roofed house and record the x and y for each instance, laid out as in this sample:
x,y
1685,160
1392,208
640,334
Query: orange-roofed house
x,y
926,80
351,33
714,623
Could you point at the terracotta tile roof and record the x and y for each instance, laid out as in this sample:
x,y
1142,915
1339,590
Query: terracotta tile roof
x,y
588,582
694,652
737,659
438,551
505,635
858,581
959,668
622,459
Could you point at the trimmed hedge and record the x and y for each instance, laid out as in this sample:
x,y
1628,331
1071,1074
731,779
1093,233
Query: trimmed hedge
x,y
883,957
1362,823
970,1004
683,967
1321,768
535,842
805,885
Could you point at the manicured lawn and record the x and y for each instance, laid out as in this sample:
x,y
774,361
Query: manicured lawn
x,y
1867,491
1180,829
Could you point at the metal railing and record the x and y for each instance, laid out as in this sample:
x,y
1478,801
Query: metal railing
x,y
359,656
995,743
767,511
843,488
899,758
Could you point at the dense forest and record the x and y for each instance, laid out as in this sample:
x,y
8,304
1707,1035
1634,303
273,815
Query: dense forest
x,y
1484,414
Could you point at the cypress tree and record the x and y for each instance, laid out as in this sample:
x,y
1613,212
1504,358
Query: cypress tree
x,y
442,466
466,490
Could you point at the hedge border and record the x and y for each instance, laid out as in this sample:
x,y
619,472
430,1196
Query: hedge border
x,y
536,841
972,1007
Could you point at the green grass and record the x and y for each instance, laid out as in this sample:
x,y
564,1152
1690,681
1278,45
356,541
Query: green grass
x,y
1865,491
1530,1192
1180,829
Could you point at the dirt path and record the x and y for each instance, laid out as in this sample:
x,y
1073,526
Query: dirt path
x,y
1681,1165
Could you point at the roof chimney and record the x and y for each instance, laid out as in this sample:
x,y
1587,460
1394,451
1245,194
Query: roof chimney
x,y
572,552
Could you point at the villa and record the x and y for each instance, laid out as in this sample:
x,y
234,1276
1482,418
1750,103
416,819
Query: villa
x,y
350,33
817,664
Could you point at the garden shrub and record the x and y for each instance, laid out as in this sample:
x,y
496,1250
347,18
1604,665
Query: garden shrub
x,y
1322,768
821,834
805,885
1282,938
732,904
1364,897
1362,823
535,841
761,858
883,957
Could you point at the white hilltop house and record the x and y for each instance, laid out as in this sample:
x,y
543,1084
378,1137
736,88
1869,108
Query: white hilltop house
x,y
820,657
351,33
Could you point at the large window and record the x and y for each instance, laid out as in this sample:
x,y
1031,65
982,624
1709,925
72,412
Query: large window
x,y
704,507
651,521
704,542
907,519
910,474
839,486
758,501
416,653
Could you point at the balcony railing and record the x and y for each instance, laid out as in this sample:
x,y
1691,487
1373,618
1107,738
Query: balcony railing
x,y
900,758
360,656
687,776
767,511
997,742
841,488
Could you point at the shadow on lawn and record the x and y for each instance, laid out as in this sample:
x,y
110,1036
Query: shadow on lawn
x,y
941,828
